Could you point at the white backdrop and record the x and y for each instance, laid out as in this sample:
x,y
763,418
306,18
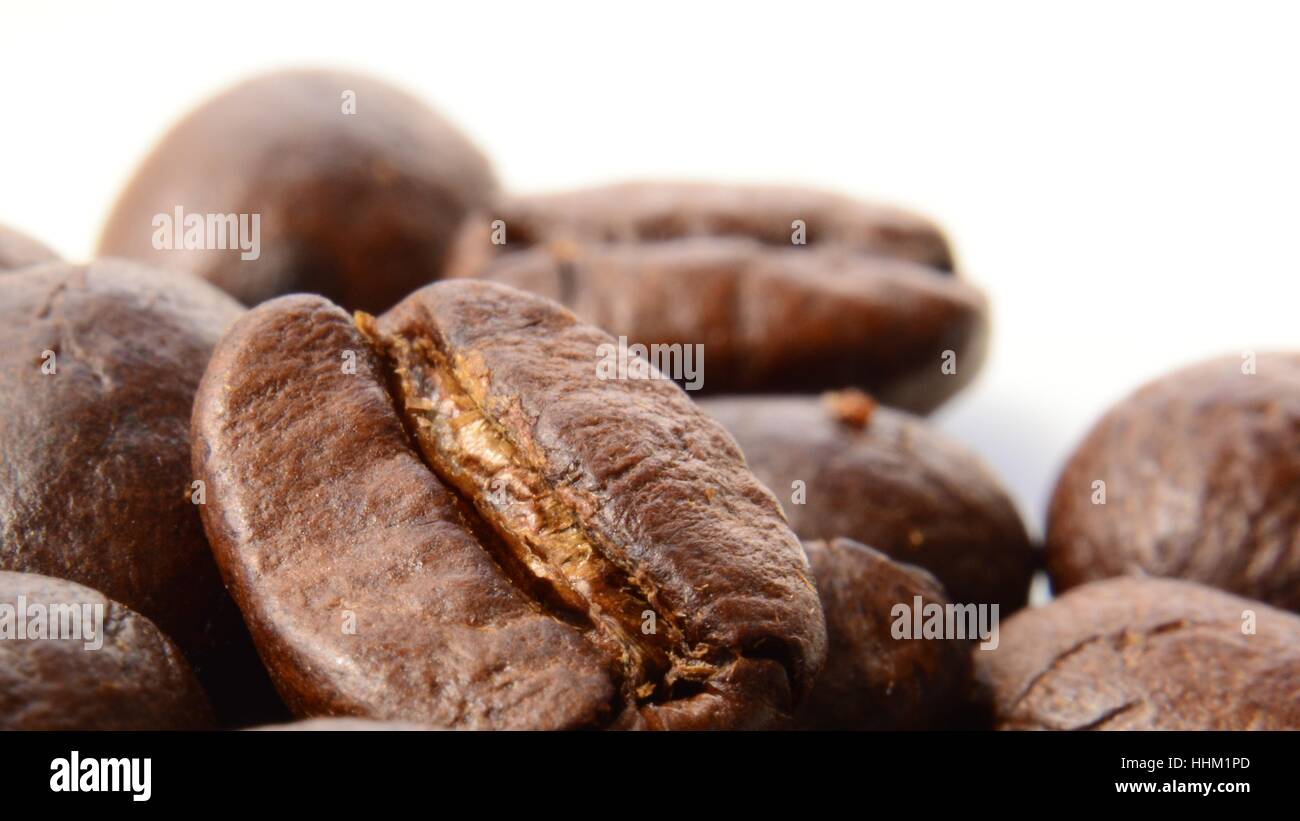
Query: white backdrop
x,y
1122,178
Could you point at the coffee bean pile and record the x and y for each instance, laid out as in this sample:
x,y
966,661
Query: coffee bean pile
x,y
338,433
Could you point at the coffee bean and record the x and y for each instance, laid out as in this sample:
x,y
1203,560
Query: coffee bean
x,y
98,368
90,663
17,250
443,516
642,213
842,466
1135,653
359,204
868,301
336,725
873,680
1194,476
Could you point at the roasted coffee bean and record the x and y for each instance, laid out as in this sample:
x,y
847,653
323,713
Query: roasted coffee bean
x,y
841,466
443,516
647,212
98,368
336,725
1194,476
17,250
1135,653
72,659
868,301
360,206
874,680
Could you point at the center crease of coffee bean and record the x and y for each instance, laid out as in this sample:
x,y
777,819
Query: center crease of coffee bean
x,y
541,529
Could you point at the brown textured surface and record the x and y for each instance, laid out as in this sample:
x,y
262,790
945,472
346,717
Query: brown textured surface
x,y
648,212
17,250
1145,654
894,484
867,302
94,469
336,725
873,681
320,503
1202,473
779,319
137,680
360,207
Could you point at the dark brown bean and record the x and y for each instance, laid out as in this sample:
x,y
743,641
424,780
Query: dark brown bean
x,y
361,207
98,368
889,480
88,664
1135,653
873,680
516,542
1195,476
861,303
642,213
336,725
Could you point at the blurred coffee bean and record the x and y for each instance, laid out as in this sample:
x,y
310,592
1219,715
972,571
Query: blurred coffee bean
x,y
841,466
347,186
337,725
1134,653
72,659
17,250
784,289
876,678
1195,476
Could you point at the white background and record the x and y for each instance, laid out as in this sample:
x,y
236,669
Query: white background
x,y
1123,178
